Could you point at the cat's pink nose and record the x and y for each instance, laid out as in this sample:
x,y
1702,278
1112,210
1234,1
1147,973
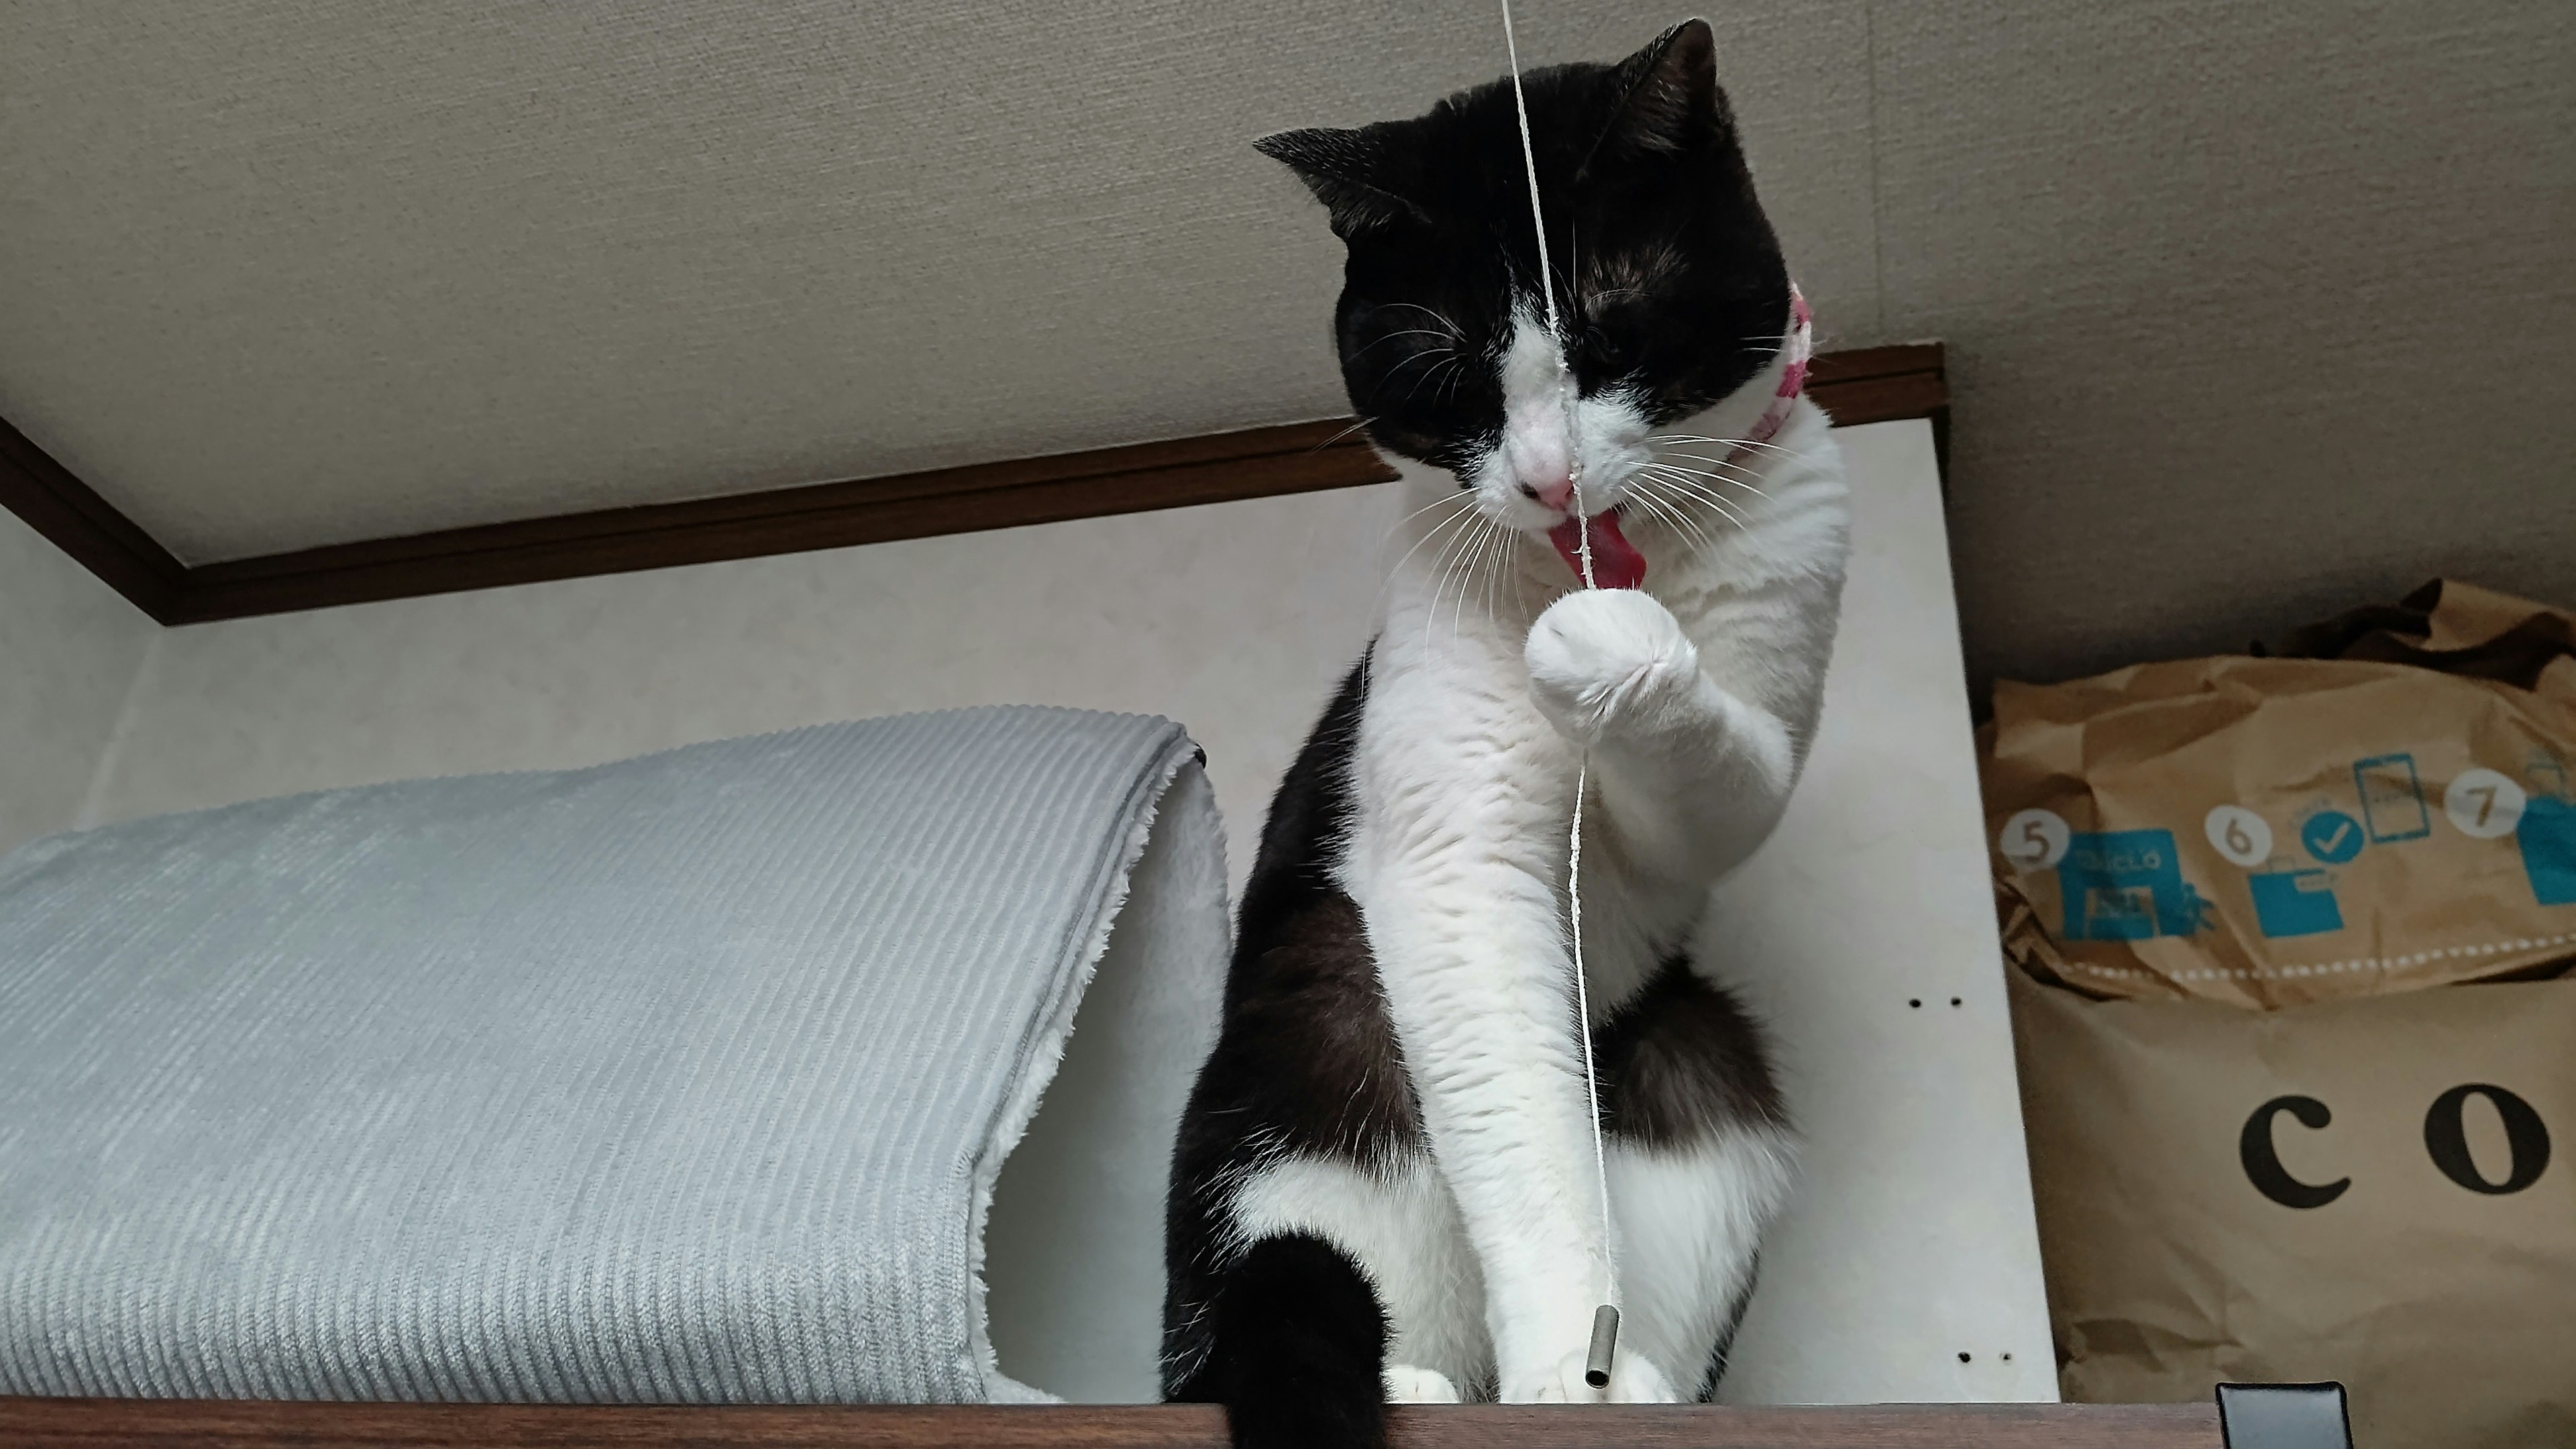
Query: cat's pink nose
x,y
1557,493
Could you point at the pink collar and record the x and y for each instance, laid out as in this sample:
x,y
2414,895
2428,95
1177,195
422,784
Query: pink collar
x,y
1793,378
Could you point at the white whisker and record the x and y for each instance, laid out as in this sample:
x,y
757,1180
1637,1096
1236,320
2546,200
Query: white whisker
x,y
1677,503
1445,500
1642,494
1433,313
1434,531
1356,425
1680,522
1686,480
1475,566
1685,488
1454,368
1455,378
1442,567
1452,552
1407,332
1716,478
1712,462
1502,561
1421,377
1726,462
1725,443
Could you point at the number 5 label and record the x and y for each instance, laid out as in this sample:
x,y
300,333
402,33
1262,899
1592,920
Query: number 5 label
x,y
2484,803
2035,839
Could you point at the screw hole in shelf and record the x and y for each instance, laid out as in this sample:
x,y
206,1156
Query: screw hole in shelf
x,y
1916,1003
1954,1001
1963,1355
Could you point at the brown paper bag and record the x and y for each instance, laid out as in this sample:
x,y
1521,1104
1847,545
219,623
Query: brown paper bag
x,y
2379,1191
2272,831
2365,1183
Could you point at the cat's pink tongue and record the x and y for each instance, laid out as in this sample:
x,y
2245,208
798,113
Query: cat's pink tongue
x,y
1616,564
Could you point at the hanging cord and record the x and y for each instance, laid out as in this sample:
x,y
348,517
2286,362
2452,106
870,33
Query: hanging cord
x,y
1605,1319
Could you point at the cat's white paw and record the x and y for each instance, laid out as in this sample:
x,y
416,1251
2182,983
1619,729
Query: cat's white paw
x,y
1634,1379
1598,656
1558,1383
1406,1384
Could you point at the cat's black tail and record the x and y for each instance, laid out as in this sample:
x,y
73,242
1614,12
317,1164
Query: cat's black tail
x,y
1299,1351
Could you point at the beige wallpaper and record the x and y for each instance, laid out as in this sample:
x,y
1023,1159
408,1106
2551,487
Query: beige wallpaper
x,y
2257,310
69,650
2257,306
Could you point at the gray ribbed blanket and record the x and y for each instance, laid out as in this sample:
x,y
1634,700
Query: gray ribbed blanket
x,y
680,1079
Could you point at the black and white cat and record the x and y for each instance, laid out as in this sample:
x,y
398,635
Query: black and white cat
x,y
1384,1184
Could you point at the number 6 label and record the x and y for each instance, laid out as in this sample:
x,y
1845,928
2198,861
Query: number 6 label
x,y
2484,804
2238,834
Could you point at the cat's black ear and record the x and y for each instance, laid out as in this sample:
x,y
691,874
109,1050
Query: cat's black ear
x,y
1347,172
1668,100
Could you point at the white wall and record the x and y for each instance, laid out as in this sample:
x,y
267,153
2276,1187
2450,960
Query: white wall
x,y
1912,1240
1236,620
69,648
1863,932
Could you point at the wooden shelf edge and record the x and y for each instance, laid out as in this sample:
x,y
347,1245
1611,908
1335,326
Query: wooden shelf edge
x,y
36,1423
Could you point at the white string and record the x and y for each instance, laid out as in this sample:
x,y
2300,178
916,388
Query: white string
x,y
1583,767
1583,1006
1529,163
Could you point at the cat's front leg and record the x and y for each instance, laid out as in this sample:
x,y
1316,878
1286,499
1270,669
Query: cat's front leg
x,y
1456,858
1693,775
1473,966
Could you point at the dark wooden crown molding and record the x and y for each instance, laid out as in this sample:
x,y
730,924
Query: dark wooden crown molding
x,y
1867,385
80,523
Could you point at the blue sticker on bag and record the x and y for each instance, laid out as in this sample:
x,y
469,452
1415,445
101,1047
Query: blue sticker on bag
x,y
2295,903
2392,799
2331,836
2127,885
2548,836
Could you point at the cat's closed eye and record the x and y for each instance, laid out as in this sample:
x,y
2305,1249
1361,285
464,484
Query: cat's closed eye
x,y
1424,382
1613,344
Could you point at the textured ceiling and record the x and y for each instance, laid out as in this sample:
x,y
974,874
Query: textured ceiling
x,y
2254,307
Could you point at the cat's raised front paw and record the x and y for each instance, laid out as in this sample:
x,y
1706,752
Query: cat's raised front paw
x,y
1598,657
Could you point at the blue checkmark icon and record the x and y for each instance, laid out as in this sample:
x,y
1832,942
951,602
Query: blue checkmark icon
x,y
2331,836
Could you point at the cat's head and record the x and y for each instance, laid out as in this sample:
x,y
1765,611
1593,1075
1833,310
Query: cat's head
x,y
1669,283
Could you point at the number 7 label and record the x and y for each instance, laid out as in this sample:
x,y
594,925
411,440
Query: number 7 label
x,y
2484,804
